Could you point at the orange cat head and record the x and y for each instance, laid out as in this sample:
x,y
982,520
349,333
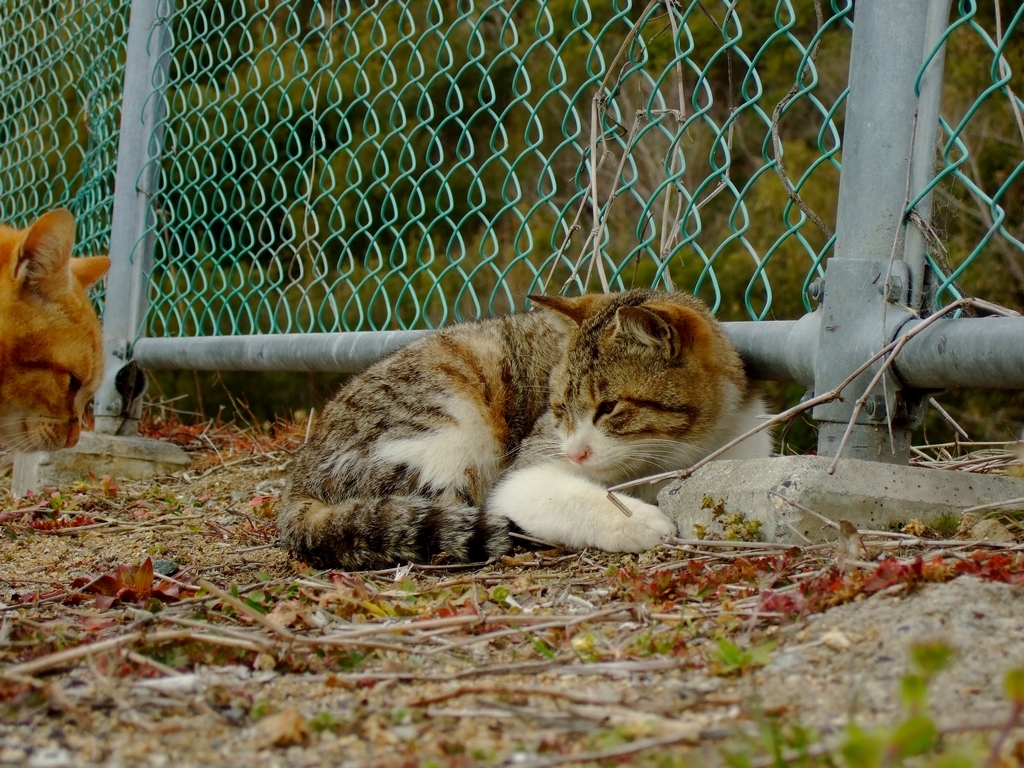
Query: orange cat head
x,y
51,344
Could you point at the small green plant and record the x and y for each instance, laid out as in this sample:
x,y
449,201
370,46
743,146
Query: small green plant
x,y
946,524
735,525
915,740
729,659
259,708
324,721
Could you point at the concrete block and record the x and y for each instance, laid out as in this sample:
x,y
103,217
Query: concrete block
x,y
870,495
121,457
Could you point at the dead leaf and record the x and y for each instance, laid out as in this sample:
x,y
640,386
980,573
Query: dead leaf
x,y
524,559
915,527
991,530
264,662
282,729
850,544
286,613
835,640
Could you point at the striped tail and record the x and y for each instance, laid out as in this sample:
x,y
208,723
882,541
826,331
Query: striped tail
x,y
370,534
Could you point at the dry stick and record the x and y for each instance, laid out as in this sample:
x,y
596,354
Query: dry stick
x,y
595,205
896,348
988,306
451,621
248,610
833,394
949,419
139,658
1004,69
680,82
539,623
802,508
237,634
73,654
995,505
777,142
474,690
693,735
574,227
681,116
595,165
668,234
613,195
309,425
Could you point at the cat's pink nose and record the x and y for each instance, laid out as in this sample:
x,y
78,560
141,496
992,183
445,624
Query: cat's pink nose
x,y
578,455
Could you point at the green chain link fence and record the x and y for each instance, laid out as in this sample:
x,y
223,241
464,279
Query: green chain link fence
x,y
61,72
335,167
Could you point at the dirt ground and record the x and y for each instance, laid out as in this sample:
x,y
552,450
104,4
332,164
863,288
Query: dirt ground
x,y
232,654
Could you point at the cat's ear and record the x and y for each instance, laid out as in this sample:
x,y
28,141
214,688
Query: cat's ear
x,y
42,263
576,309
89,269
669,330
637,325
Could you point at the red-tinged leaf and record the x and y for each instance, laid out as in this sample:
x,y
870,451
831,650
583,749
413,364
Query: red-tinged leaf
x,y
107,585
125,584
916,569
98,623
109,486
80,582
167,592
144,577
887,573
125,575
65,522
127,595
790,604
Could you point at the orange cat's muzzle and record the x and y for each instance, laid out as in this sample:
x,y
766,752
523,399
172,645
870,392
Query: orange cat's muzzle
x,y
74,432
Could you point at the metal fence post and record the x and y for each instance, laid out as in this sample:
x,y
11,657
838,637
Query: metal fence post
x,y
118,403
868,285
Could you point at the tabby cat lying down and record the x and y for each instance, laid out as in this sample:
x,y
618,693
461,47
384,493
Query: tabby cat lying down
x,y
524,419
51,344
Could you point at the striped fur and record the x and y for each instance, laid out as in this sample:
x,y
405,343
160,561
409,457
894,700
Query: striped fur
x,y
524,419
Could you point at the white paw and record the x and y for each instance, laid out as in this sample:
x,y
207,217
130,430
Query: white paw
x,y
643,531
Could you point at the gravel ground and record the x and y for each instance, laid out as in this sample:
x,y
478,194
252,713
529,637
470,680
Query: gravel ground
x,y
545,658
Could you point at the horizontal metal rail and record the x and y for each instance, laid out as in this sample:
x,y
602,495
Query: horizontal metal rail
x,y
334,352
966,352
987,353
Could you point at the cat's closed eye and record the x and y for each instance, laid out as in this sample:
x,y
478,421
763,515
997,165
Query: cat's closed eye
x,y
605,408
557,410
